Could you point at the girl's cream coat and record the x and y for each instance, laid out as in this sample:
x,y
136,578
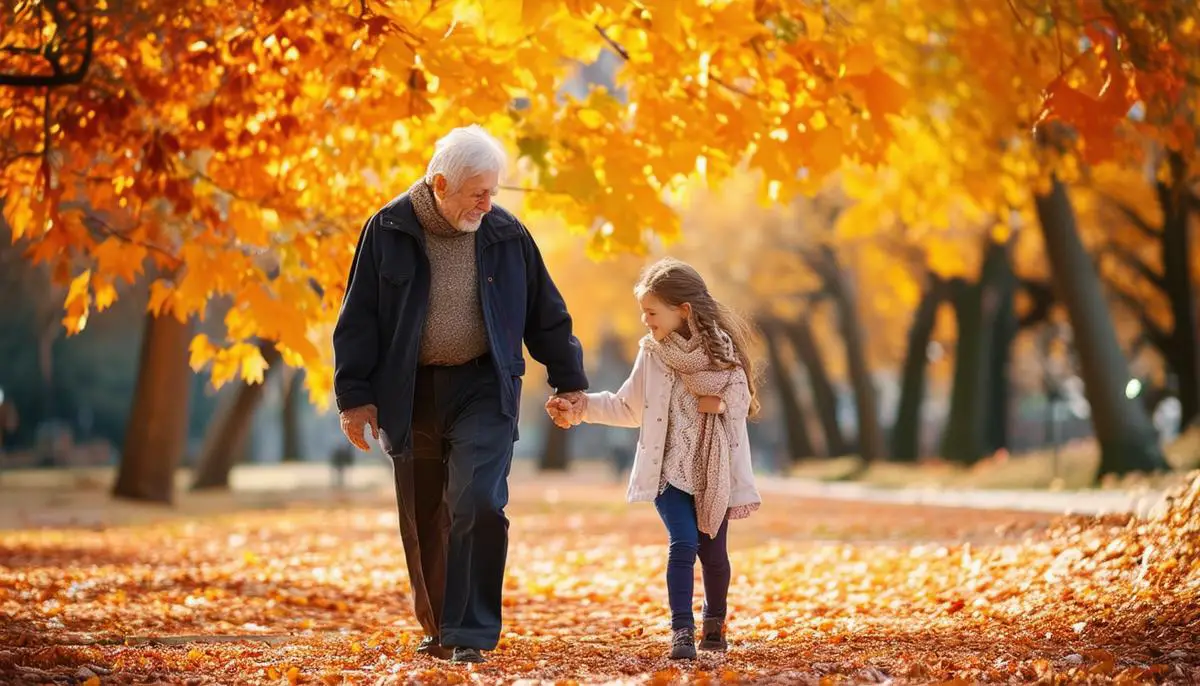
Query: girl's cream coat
x,y
642,401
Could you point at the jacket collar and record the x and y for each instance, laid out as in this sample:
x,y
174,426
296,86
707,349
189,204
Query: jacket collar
x,y
498,225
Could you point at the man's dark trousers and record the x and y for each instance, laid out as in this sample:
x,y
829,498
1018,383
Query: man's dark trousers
x,y
451,496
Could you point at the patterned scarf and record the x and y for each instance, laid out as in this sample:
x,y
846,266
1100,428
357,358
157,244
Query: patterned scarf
x,y
713,451
425,205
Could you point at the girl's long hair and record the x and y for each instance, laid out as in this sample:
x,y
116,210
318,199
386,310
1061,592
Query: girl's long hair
x,y
675,283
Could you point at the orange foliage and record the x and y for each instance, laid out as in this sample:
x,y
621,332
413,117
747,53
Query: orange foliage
x,y
827,590
225,150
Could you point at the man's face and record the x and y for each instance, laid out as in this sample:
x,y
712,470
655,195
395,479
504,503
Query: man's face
x,y
465,205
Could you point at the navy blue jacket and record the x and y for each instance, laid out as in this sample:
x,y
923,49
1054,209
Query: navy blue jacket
x,y
378,334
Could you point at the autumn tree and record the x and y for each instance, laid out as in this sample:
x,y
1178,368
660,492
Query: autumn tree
x,y
233,151
226,151
1146,259
1075,68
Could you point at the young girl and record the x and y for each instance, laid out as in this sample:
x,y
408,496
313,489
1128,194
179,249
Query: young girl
x,y
691,389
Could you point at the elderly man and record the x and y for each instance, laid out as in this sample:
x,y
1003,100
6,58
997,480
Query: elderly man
x,y
444,288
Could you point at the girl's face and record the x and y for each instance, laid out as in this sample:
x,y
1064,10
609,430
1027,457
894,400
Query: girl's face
x,y
662,319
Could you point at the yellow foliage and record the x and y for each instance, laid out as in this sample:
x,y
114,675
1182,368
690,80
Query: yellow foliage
x,y
239,150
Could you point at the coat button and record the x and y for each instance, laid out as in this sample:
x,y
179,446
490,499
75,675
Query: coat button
x,y
490,279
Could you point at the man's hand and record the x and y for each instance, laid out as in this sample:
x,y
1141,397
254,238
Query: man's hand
x,y
357,418
712,404
567,409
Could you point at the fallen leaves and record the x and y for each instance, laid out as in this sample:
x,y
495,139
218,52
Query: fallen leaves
x,y
823,592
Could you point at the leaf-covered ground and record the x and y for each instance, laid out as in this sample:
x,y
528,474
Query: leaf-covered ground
x,y
823,592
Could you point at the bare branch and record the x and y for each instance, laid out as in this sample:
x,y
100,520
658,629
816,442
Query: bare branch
x,y
525,189
612,43
1136,219
1135,263
1017,15
50,53
98,224
732,89
1153,332
1043,299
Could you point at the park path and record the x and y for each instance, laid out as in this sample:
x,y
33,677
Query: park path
x,y
78,497
824,589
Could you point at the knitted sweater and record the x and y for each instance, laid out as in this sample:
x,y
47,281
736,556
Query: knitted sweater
x,y
454,330
682,450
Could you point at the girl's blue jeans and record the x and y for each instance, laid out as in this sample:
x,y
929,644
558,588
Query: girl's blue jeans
x,y
678,512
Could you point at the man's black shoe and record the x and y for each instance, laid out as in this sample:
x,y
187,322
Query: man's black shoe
x,y
432,646
467,656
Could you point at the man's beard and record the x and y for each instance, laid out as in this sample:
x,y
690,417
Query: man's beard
x,y
468,226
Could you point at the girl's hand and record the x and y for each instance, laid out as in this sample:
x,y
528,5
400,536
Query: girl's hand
x,y
712,404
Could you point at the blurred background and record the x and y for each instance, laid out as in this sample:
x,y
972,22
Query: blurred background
x,y
934,306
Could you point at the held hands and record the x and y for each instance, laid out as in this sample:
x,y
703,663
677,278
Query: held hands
x,y
712,404
567,409
355,419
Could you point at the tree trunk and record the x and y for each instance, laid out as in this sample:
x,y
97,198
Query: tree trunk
x,y
824,397
156,433
293,402
962,441
555,454
906,431
1127,439
979,398
225,442
799,443
1005,326
871,445
48,333
1178,285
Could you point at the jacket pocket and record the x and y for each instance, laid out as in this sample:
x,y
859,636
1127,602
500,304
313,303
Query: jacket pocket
x,y
517,367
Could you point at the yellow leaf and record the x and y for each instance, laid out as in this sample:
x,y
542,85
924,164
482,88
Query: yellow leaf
x,y
293,675
859,60
247,222
79,287
119,259
253,365
160,294
814,25
24,214
396,57
201,352
92,681
534,12
104,293
882,93
664,18
77,303
591,118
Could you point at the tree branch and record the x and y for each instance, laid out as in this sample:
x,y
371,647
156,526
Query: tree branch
x,y
624,53
612,43
524,189
1135,263
1043,299
731,88
1136,219
60,77
97,224
1152,331
1017,15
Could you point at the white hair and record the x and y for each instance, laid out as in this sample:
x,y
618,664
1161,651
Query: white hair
x,y
465,152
